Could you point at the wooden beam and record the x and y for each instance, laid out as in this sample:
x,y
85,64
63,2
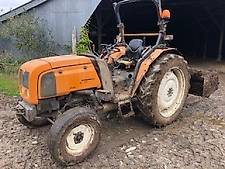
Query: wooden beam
x,y
221,29
205,46
74,40
221,41
98,16
206,32
212,18
140,34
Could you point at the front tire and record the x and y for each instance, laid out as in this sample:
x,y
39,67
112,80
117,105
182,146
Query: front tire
x,y
74,136
164,89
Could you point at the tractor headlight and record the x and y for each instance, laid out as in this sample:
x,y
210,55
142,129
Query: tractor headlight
x,y
48,85
24,79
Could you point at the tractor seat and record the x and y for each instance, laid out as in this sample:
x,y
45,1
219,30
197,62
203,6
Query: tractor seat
x,y
135,49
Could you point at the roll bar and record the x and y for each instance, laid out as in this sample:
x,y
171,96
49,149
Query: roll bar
x,y
161,23
121,3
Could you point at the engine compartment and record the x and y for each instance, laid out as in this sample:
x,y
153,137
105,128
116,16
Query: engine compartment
x,y
123,68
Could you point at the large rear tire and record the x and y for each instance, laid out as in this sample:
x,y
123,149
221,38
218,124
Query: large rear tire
x,y
74,136
164,89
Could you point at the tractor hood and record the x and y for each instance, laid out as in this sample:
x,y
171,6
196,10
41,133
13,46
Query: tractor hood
x,y
30,73
66,60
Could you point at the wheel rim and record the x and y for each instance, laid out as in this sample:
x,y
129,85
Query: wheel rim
x,y
79,139
171,92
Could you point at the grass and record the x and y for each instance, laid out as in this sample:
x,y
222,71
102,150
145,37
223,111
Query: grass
x,y
8,84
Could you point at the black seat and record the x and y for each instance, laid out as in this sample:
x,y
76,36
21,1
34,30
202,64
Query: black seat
x,y
135,49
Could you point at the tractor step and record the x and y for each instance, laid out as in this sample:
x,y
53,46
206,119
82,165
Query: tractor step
x,y
125,109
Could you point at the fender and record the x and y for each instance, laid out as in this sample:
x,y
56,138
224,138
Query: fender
x,y
147,63
116,53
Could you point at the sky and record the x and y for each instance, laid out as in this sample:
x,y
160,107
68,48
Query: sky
x,y
6,5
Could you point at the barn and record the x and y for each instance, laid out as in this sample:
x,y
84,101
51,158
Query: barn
x,y
61,17
198,26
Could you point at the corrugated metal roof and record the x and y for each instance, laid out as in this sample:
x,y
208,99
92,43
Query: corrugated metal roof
x,y
23,8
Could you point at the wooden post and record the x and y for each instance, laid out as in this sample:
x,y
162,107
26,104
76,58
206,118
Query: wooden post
x,y
220,49
206,32
195,48
221,29
74,40
99,27
205,46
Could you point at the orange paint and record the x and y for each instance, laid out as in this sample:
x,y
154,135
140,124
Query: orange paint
x,y
145,66
116,53
34,67
165,14
66,60
72,73
74,78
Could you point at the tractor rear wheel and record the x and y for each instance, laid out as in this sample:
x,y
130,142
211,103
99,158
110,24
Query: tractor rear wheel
x,y
164,89
74,136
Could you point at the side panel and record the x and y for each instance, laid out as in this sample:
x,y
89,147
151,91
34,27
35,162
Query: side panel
x,y
74,78
146,64
106,76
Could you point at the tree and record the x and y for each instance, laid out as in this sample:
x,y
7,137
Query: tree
x,y
29,34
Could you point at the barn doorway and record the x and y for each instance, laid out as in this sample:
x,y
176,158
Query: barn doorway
x,y
198,26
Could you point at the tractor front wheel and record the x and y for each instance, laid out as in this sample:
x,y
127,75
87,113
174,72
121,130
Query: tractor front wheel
x,y
74,136
164,89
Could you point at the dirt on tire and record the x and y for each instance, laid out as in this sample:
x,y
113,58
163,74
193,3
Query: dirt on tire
x,y
149,89
64,125
195,140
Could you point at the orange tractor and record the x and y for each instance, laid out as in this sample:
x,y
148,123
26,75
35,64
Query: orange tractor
x,y
69,91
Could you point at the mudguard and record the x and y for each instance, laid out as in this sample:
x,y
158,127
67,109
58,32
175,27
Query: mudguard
x,y
147,63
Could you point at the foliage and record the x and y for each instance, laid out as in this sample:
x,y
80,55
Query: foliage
x,y
8,84
10,64
68,48
29,34
84,41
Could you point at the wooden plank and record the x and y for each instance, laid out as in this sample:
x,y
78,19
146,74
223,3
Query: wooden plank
x,y
140,34
221,41
74,40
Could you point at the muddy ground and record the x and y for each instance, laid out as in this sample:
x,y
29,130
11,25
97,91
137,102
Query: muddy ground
x,y
195,140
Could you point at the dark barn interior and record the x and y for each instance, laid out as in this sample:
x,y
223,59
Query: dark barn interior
x,y
198,26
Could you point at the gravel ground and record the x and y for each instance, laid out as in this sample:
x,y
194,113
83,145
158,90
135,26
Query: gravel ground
x,y
195,140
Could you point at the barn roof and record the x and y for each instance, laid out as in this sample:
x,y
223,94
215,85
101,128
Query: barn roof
x,y
25,7
217,6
